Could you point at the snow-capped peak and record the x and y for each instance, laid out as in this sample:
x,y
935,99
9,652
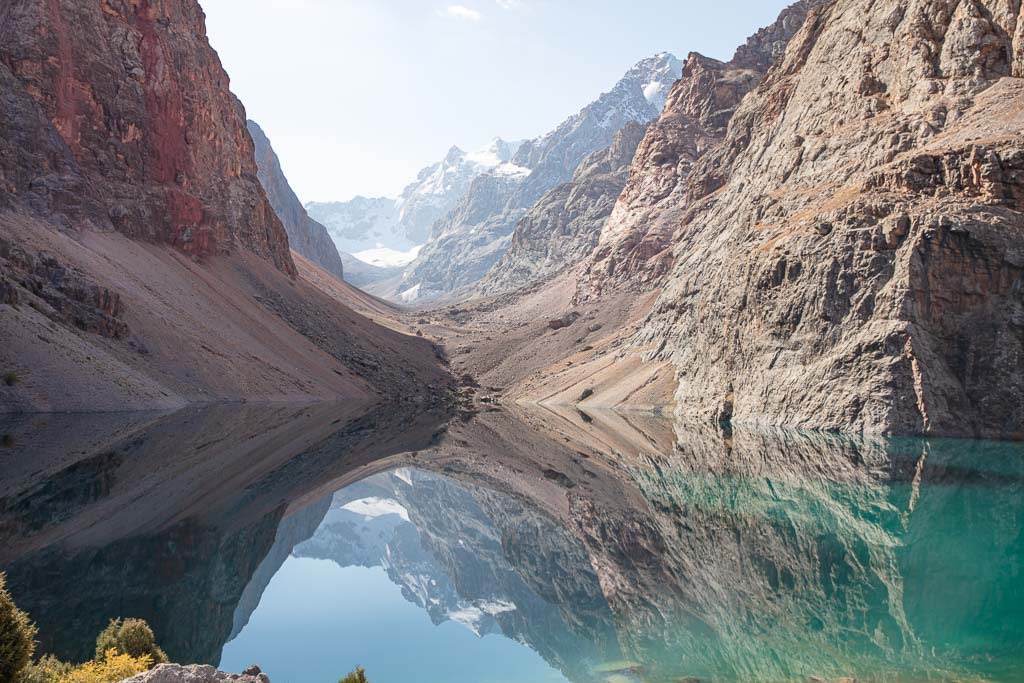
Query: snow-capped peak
x,y
656,75
494,154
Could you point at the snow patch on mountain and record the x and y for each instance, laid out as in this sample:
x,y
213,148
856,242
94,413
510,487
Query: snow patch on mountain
x,y
384,231
385,257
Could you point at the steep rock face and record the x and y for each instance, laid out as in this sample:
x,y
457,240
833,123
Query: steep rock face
x,y
635,243
152,137
305,235
563,227
851,256
142,264
470,240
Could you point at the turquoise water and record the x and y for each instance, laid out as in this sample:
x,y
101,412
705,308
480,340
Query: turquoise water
x,y
604,550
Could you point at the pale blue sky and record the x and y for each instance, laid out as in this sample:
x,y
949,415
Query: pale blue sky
x,y
358,95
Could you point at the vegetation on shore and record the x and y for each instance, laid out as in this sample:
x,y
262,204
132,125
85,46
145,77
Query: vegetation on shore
x,y
123,649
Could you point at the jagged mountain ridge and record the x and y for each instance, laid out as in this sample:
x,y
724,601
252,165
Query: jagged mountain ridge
x,y
400,224
563,226
473,237
635,239
305,235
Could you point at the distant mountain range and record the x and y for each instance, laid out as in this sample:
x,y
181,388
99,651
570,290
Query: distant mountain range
x,y
386,232
463,209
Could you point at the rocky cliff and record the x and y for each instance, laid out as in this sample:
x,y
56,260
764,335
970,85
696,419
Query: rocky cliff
x,y
850,255
474,236
563,227
305,235
141,265
635,242
638,96
149,140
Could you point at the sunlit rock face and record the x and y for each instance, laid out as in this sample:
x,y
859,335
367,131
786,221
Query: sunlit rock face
x,y
847,255
121,117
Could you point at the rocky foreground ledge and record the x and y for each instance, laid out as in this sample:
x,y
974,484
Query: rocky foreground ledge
x,y
176,673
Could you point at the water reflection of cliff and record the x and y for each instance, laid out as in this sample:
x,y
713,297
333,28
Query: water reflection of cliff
x,y
167,516
664,553
676,552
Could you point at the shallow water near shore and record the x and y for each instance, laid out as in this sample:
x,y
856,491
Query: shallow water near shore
x,y
517,546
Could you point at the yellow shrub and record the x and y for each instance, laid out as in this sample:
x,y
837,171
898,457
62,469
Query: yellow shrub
x,y
114,667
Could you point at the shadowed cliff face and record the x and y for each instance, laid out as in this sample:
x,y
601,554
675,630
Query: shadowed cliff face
x,y
167,516
151,134
618,547
305,235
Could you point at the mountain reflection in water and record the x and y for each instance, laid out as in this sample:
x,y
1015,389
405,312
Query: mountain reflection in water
x,y
524,546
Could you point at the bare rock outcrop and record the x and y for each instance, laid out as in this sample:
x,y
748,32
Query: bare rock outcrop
x,y
851,256
305,235
141,263
635,245
149,141
176,673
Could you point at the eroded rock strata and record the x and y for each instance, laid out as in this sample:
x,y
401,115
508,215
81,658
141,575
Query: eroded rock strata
x,y
850,256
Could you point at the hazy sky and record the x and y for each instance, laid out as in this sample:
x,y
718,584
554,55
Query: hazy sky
x,y
358,95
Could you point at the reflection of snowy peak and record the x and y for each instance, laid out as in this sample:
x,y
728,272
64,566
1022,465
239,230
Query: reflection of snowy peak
x,y
375,531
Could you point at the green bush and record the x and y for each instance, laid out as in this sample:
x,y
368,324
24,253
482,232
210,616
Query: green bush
x,y
10,378
131,637
357,676
17,637
48,669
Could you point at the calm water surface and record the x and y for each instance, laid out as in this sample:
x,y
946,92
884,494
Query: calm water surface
x,y
518,548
